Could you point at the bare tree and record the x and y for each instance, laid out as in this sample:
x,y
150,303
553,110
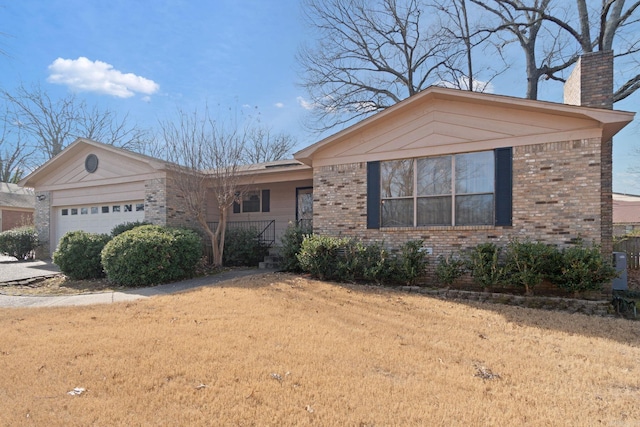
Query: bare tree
x,y
263,145
524,24
369,56
14,154
51,124
466,37
567,30
206,156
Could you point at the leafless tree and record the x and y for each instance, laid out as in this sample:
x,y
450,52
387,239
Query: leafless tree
x,y
263,145
51,124
559,31
206,157
460,23
369,55
14,154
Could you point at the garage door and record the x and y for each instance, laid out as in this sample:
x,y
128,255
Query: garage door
x,y
97,218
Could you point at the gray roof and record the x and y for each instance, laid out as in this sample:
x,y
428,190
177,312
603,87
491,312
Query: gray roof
x,y
14,196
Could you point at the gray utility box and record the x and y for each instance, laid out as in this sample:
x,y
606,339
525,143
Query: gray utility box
x,y
620,264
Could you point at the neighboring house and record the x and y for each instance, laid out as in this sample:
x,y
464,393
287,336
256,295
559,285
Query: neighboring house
x,y
453,168
16,206
626,214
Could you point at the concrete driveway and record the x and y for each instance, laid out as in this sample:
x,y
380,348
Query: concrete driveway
x,y
12,270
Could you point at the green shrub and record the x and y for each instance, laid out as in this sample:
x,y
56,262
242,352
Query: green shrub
x,y
323,256
291,242
126,226
579,268
484,265
527,263
376,264
412,263
151,254
78,254
19,242
242,247
449,269
345,259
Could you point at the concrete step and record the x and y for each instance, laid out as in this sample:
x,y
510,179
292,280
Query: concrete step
x,y
268,265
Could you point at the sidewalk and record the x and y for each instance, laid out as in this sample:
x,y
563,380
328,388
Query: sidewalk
x,y
102,297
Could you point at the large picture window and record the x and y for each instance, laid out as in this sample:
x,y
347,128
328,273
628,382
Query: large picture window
x,y
447,190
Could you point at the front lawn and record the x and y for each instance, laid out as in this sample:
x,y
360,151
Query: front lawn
x,y
278,349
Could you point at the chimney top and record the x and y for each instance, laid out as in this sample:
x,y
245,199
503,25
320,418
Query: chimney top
x,y
591,81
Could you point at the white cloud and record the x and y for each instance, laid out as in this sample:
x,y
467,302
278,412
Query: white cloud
x,y
305,104
278,105
463,83
96,76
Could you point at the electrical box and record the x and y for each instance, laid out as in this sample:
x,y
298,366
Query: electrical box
x,y
620,264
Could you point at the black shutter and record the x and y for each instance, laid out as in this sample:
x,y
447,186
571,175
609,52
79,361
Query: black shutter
x,y
266,200
373,195
236,207
504,186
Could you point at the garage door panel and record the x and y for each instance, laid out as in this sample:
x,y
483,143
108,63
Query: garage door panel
x,y
97,218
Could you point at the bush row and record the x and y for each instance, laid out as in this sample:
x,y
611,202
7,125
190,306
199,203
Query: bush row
x,y
346,259
526,264
19,242
134,255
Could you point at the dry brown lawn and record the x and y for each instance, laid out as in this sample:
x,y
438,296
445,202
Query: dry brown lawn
x,y
280,350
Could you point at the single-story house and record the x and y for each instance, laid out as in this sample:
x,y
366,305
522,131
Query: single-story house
x,y
453,168
626,214
17,205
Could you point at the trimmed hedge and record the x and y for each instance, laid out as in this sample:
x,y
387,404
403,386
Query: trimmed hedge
x,y
78,254
151,254
581,268
344,259
19,242
291,242
577,268
243,248
126,226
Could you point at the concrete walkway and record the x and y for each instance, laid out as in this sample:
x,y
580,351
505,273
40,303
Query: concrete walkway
x,y
11,271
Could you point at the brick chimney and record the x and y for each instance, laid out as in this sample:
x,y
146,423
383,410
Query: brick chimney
x,y
591,81
591,85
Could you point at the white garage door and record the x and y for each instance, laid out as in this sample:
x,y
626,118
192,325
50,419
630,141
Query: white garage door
x,y
97,218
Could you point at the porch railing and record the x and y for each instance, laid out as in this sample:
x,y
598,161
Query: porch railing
x,y
266,229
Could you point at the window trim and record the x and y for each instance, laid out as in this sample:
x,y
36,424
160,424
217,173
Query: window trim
x,y
502,193
264,204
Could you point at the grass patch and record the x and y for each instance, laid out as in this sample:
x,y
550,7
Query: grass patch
x,y
277,349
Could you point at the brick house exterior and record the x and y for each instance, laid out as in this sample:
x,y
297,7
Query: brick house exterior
x,y
553,183
514,168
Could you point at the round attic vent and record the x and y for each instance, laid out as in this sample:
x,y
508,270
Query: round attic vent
x,y
91,163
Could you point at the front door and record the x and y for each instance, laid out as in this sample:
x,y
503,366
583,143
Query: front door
x,y
304,207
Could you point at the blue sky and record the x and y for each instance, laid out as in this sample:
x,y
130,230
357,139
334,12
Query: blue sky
x,y
149,57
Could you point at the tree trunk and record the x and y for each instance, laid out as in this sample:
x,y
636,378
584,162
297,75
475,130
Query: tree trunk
x,y
217,241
